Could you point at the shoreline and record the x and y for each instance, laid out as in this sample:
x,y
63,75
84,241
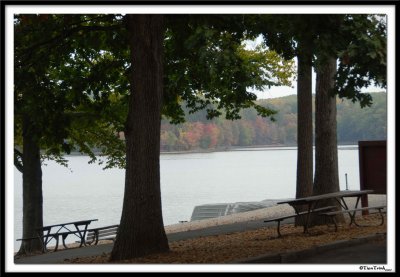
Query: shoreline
x,y
346,145
343,146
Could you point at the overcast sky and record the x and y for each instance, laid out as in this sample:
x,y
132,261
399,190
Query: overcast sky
x,y
275,92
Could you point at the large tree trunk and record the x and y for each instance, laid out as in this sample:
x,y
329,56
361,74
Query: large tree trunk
x,y
32,202
304,180
141,229
326,177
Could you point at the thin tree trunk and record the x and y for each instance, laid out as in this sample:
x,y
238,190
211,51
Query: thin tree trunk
x,y
304,180
141,229
326,177
32,202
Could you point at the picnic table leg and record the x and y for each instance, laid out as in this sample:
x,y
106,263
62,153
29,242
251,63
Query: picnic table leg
x,y
381,223
82,238
46,238
297,213
81,234
42,241
342,203
57,240
279,225
334,222
96,235
381,214
64,236
306,221
354,214
351,214
82,242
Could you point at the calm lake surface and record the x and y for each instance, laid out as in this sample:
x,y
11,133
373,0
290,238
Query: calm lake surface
x,y
85,191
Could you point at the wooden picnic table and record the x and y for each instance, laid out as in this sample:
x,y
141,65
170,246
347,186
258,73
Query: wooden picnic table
x,y
77,228
312,201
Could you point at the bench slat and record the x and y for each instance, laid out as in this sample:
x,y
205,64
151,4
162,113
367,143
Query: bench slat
x,y
114,229
108,237
96,234
108,234
105,227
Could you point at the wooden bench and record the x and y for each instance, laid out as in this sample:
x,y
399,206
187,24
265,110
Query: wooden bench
x,y
101,233
279,219
352,214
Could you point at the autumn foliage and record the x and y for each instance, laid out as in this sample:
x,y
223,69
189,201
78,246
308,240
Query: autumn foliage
x,y
197,133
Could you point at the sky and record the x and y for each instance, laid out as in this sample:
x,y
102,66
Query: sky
x,y
275,92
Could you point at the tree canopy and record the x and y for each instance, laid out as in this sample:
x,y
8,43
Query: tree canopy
x,y
208,63
80,65
58,102
68,90
359,44
362,54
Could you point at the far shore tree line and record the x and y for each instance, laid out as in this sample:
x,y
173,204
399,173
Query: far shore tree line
x,y
80,79
353,124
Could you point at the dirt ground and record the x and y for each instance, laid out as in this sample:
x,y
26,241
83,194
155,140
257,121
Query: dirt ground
x,y
235,246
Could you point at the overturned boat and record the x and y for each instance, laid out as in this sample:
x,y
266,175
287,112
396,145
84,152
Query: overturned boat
x,y
221,209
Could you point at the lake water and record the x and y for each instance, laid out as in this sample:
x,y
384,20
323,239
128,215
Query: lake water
x,y
86,191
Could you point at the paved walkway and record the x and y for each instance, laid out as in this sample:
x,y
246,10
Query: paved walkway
x,y
362,252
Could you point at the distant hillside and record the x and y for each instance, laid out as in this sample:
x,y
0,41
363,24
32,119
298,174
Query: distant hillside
x,y
354,124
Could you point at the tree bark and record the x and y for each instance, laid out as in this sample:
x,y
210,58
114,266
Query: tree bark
x,y
326,177
32,198
304,180
141,229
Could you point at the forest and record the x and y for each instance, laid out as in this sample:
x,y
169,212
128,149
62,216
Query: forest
x,y
197,133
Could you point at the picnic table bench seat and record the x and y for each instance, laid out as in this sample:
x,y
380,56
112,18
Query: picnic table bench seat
x,y
281,218
351,212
